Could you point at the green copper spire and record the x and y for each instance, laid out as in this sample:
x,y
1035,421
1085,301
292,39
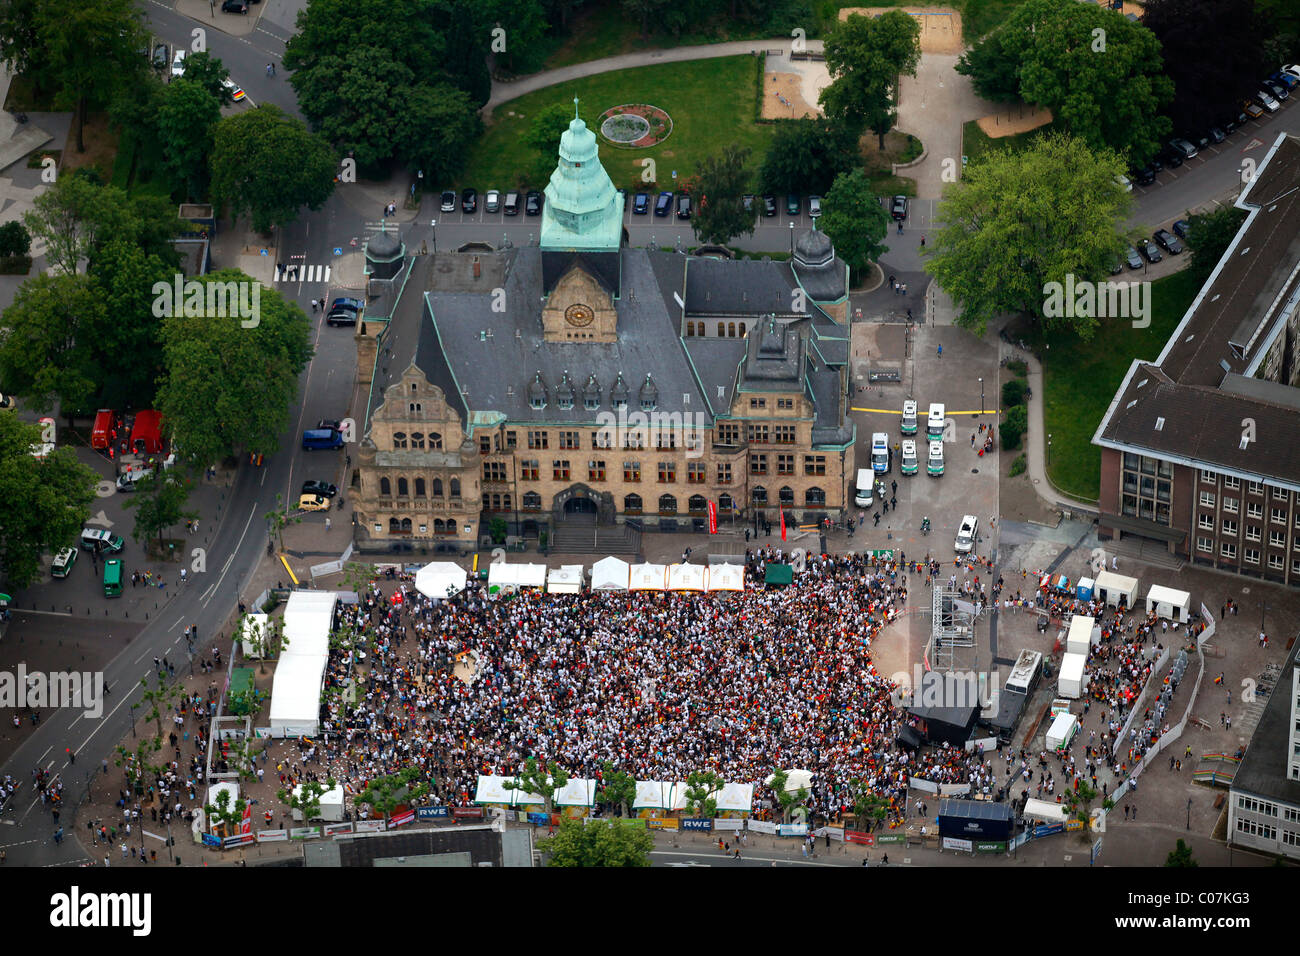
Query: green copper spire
x,y
583,211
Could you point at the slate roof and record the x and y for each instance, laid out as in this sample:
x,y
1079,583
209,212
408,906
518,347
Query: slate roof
x,y
1263,771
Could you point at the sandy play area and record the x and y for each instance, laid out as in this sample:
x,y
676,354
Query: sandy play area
x,y
940,26
783,93
1016,119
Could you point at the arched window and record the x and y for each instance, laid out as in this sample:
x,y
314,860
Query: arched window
x,y
697,504
690,329
406,526
417,439
399,439
731,330
403,488
385,487
759,494
532,501
437,487
437,526
435,441
632,504
814,498
722,329
415,387
419,487
786,495
725,504
414,408
667,505
455,487
394,526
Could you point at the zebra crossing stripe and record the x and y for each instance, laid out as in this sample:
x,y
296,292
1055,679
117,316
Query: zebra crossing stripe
x,y
304,273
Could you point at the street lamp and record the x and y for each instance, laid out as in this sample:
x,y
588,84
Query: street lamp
x,y
792,238
1049,448
981,397
433,224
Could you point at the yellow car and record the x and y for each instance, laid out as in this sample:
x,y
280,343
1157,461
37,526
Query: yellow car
x,y
313,503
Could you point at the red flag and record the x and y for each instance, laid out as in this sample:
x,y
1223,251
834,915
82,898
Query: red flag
x,y
246,825
713,517
782,524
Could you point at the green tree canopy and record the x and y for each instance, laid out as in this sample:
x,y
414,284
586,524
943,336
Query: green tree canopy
x,y
865,57
806,155
186,117
854,220
719,213
702,787
1021,219
265,163
1181,856
598,843
545,781
44,357
1208,237
618,787
43,504
385,794
159,503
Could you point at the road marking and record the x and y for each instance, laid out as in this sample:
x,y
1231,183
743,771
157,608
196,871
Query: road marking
x,y
894,411
765,859
103,722
210,592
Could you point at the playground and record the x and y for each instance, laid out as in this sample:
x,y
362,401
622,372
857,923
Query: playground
x,y
940,26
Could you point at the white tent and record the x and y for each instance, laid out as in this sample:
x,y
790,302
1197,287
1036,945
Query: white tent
x,y
230,787
795,780
653,795
308,617
254,634
492,789
610,574
440,579
1168,603
331,805
648,577
1045,810
300,673
736,797
726,577
565,580
686,577
1084,633
532,575
512,576
577,793
1062,730
1112,588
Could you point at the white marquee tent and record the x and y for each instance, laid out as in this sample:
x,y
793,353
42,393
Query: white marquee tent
x,y
331,805
610,574
577,793
565,580
736,796
726,577
493,790
440,579
686,577
660,795
515,576
648,577
300,673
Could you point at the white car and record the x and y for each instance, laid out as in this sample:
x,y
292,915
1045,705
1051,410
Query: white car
x,y
178,64
1292,69
236,93
966,535
492,201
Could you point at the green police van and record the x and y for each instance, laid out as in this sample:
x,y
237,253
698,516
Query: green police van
x,y
113,578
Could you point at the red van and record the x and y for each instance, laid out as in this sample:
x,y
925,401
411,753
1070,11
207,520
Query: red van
x,y
146,434
104,432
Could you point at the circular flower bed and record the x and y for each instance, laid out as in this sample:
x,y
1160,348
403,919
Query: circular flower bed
x,y
635,126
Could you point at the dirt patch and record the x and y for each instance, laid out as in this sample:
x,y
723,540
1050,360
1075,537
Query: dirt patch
x,y
783,97
940,26
101,147
1016,119
875,159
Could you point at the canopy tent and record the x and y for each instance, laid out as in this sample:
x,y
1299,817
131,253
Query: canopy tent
x,y
610,574
1044,810
726,577
1116,589
577,793
779,574
566,579
686,577
254,635
513,576
308,617
660,795
647,577
440,579
492,790
331,805
795,780
1169,603
736,797
300,672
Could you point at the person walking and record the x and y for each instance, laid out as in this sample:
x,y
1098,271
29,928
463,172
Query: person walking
x,y
940,350
327,523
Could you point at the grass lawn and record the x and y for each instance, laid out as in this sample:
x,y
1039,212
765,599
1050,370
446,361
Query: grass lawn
x,y
976,143
711,103
1081,379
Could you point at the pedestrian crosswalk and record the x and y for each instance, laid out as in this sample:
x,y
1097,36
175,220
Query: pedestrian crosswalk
x,y
302,273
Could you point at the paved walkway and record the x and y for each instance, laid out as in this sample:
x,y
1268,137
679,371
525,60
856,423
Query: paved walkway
x,y
932,106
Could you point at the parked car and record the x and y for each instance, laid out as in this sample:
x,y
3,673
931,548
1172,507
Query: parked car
x,y
533,203
1252,109
322,488
236,93
1167,241
511,206
1278,89
1124,183
178,64
1157,162
1181,228
683,206
1266,100
447,201
1148,249
313,503
640,204
1216,135
1117,267
469,199
664,203
1286,79
1291,69
747,201
1183,146
161,54
492,201
899,208
234,6
1143,176
814,206
792,204
965,539
769,205
344,310
1132,258
63,562
332,424
1172,158
1232,122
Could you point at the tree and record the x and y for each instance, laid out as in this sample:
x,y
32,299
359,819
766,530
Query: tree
x,y
307,798
228,389
1021,219
642,11
14,239
44,354
542,137
617,787
1100,74
208,73
1080,800
90,47
719,189
159,503
124,337
869,808
159,699
865,56
993,69
386,794
434,134
1180,856
854,220
790,800
265,163
43,504
543,781
1208,236
20,40
185,122
806,155
598,843
701,793
1015,422
1212,52
225,813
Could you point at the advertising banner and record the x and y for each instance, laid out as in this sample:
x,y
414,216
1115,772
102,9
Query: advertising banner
x,y
860,838
400,819
728,824
697,824
956,843
539,819
467,813
305,833
886,838
272,836
762,826
1047,829
792,829
993,847
431,813
333,829
661,824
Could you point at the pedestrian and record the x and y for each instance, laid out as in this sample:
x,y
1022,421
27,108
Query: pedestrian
x,y
904,288
940,351
1126,809
876,518
1114,562
893,487
1229,722
893,283
327,527
923,242
972,439
884,859
900,228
